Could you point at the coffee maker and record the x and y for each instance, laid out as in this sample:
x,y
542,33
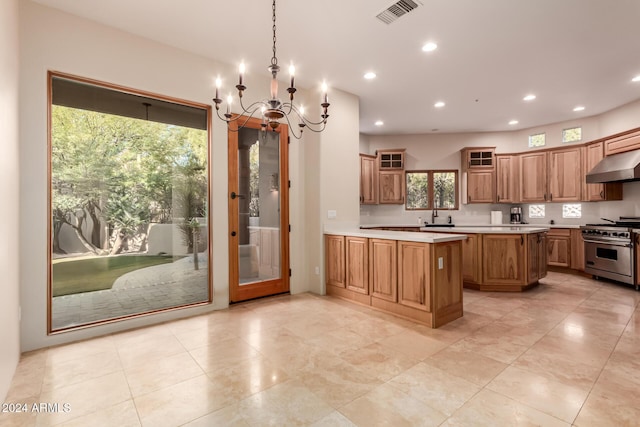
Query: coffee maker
x,y
516,215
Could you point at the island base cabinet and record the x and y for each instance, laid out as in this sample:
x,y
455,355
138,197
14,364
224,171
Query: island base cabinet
x,y
415,280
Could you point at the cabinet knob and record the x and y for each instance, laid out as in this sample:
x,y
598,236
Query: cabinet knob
x,y
602,194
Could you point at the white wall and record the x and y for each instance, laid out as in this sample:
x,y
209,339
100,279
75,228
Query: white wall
x,y
9,194
442,151
53,40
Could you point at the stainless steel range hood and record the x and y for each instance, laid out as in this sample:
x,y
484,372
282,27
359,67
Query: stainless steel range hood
x,y
617,168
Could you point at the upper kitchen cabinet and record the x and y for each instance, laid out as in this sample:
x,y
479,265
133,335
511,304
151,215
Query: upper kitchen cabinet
x,y
551,176
391,183
391,159
565,175
533,177
479,171
507,178
368,180
392,187
623,142
598,192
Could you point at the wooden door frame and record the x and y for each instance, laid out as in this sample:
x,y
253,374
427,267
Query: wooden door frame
x,y
269,287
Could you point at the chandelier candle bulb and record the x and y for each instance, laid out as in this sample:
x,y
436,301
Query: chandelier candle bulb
x,y
218,84
292,71
242,70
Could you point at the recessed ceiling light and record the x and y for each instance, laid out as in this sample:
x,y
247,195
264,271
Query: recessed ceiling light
x,y
529,97
429,47
370,75
379,123
579,108
636,79
439,104
513,122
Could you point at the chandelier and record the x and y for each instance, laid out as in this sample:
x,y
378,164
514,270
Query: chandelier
x,y
272,110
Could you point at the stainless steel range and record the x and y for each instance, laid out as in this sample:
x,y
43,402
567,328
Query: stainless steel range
x,y
609,249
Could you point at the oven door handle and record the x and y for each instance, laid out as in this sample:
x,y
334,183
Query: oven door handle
x,y
601,242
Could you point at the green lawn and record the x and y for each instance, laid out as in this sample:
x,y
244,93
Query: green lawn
x,y
94,274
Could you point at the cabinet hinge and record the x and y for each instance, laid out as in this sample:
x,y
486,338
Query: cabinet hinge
x,y
289,272
289,183
289,228
288,140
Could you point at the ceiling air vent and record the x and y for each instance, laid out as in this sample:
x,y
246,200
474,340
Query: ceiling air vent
x,y
396,10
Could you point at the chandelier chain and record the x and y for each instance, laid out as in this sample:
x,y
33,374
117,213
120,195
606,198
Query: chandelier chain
x,y
274,59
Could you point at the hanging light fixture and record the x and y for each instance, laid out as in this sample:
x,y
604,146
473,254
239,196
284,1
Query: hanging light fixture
x,y
272,110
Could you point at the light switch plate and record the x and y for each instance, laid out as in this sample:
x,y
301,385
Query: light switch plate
x,y
331,214
440,263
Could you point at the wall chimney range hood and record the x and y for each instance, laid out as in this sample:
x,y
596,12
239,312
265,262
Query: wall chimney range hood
x,y
616,168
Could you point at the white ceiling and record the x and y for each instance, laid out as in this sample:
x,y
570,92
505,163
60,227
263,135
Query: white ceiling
x,y
491,53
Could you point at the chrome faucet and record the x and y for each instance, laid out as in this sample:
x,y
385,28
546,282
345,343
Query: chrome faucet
x,y
434,214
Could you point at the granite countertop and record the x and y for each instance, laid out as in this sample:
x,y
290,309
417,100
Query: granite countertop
x,y
410,236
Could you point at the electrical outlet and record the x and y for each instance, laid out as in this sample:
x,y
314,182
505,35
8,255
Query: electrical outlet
x,y
331,214
317,270
440,263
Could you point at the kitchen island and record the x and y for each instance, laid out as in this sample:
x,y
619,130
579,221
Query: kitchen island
x,y
416,275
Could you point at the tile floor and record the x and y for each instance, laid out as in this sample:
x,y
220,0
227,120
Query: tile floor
x,y
565,353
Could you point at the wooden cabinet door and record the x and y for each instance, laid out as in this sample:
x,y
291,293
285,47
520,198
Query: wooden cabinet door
x,y
533,258
577,250
620,144
542,252
480,186
559,247
565,175
383,269
507,179
357,264
413,275
334,260
471,258
391,187
503,262
368,180
598,192
533,177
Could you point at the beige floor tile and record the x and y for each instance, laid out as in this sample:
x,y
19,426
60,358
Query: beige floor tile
x,y
81,369
79,349
557,367
470,366
146,377
148,349
387,406
19,412
336,381
340,340
498,342
376,328
435,387
286,404
182,402
593,351
248,377
548,396
85,398
223,355
334,419
491,409
122,415
204,336
228,416
493,307
414,344
384,362
603,411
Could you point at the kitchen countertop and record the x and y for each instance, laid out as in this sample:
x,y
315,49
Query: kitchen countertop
x,y
405,225
410,236
490,229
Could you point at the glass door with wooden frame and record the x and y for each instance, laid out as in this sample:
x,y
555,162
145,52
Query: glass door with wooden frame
x,y
258,211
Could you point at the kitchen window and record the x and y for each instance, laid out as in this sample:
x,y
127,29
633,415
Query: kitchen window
x,y
537,140
572,134
432,189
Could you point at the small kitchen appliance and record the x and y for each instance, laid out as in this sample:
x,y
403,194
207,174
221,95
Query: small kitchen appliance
x,y
516,215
